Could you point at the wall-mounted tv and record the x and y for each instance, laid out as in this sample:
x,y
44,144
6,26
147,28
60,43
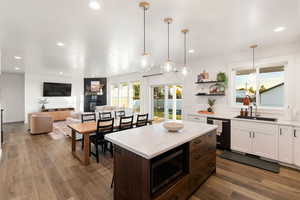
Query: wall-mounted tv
x,y
57,90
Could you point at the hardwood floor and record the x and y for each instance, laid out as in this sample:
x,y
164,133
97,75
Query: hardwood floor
x,y
40,167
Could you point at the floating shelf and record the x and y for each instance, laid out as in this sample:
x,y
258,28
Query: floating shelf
x,y
223,94
207,82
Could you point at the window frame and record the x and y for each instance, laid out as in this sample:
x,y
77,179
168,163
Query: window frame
x,y
129,92
257,69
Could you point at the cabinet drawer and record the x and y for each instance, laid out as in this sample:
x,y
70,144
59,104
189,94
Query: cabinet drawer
x,y
211,140
200,162
177,192
199,144
200,170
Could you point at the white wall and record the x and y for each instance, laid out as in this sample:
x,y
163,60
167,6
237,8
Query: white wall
x,y
289,54
12,96
34,92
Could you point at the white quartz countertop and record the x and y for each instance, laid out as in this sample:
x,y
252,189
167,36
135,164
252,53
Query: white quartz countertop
x,y
151,141
232,116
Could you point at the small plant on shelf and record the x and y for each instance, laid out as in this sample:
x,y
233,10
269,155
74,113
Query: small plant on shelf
x,y
221,77
211,103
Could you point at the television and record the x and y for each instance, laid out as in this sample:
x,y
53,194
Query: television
x,y
57,90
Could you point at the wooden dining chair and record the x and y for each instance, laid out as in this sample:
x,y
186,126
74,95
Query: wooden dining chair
x,y
87,117
126,123
120,113
104,126
142,120
105,115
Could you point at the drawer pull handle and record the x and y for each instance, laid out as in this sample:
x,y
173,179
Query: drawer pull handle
x,y
280,131
198,142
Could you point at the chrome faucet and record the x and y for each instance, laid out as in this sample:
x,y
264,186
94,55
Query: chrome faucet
x,y
255,110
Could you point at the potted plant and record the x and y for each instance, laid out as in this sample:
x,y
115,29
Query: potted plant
x,y
211,103
43,102
221,76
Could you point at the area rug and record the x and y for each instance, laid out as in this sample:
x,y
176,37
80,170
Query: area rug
x,y
60,130
251,161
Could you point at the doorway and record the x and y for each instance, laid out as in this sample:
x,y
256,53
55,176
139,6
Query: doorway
x,y
167,102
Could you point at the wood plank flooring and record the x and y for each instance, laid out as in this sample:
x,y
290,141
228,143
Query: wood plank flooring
x,y
39,167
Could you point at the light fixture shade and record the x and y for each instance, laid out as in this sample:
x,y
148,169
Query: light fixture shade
x,y
94,4
185,70
146,62
168,66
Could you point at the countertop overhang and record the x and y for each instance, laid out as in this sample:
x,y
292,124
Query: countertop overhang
x,y
154,140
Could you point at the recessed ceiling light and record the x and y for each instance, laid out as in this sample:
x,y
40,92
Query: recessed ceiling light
x,y
60,44
279,29
18,57
17,68
94,4
192,51
61,73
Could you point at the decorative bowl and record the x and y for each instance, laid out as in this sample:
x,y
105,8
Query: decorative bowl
x,y
173,126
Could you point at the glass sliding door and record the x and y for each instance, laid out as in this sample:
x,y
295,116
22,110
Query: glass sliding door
x,y
158,103
167,102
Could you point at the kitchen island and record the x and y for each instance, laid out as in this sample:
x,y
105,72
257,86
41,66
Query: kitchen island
x,y
151,163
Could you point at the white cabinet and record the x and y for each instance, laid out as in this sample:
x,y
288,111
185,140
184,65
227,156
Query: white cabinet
x,y
197,118
285,144
241,140
264,144
254,138
297,146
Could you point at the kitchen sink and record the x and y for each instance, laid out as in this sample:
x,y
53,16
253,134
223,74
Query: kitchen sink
x,y
258,118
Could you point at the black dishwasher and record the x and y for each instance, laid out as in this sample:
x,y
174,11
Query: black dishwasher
x,y
223,132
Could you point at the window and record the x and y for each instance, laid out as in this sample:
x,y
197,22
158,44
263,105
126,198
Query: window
x,y
124,95
265,86
136,97
114,95
127,95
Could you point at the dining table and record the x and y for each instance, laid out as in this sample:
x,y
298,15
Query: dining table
x,y
86,129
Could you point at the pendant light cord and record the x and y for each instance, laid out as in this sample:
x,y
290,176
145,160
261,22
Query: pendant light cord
x,y
144,31
253,57
184,49
168,41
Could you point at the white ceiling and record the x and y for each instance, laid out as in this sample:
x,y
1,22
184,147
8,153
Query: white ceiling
x,y
109,41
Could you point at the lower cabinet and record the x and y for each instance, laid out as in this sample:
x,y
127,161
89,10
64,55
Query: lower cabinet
x,y
271,141
255,138
241,140
264,144
285,144
297,146
289,145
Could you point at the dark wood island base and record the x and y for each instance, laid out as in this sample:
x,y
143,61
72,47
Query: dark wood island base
x,y
133,174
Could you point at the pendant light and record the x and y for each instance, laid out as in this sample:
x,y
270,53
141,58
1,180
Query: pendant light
x,y
184,69
146,61
252,76
168,66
